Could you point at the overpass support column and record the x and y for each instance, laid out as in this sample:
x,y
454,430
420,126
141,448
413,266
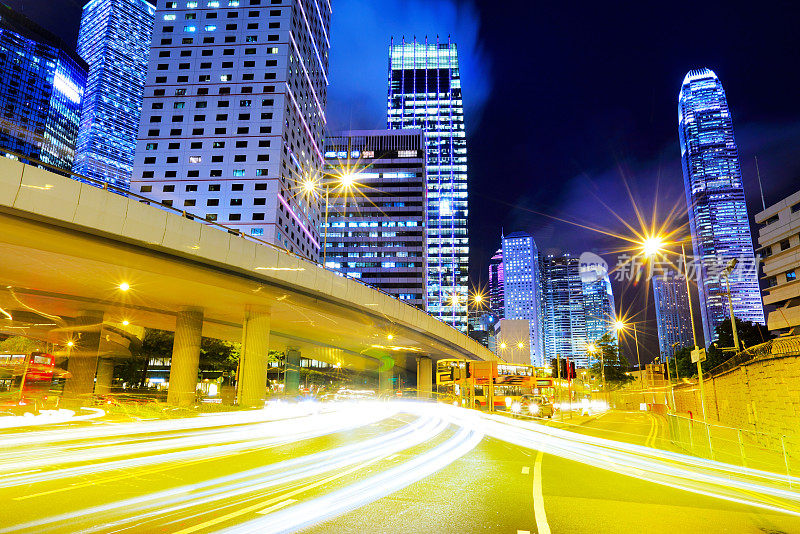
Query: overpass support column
x,y
291,381
251,386
424,377
105,374
82,358
385,380
185,357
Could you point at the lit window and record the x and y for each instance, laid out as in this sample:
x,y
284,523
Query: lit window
x,y
210,28
213,3
225,78
169,17
190,29
195,159
191,5
238,172
234,3
255,231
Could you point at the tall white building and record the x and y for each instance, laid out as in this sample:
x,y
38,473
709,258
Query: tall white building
x,y
234,114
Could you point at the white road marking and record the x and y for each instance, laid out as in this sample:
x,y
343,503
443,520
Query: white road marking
x,y
523,532
278,506
526,470
538,498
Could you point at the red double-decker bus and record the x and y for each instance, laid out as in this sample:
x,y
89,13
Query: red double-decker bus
x,y
26,382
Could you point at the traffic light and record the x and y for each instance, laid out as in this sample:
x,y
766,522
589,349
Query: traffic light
x,y
554,367
572,370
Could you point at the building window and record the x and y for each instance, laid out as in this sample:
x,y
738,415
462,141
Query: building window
x,y
791,276
168,189
235,217
784,244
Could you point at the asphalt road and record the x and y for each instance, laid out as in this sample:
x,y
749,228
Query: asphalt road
x,y
384,468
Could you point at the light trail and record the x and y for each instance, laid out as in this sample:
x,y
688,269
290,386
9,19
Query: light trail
x,y
295,493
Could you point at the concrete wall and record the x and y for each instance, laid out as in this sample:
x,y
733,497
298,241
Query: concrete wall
x,y
762,396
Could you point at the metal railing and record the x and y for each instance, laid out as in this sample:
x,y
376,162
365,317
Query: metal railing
x,y
183,213
738,446
779,347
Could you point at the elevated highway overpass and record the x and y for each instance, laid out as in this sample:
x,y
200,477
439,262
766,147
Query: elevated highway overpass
x,y
75,257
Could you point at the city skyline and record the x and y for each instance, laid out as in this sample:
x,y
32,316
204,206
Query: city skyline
x,y
639,151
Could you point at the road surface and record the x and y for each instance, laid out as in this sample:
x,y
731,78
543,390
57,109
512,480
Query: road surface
x,y
377,467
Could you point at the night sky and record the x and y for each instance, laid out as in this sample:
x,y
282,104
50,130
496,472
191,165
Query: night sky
x,y
567,103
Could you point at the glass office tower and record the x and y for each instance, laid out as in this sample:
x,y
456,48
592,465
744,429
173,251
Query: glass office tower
x,y
114,39
564,316
522,298
41,91
425,92
715,199
672,313
598,301
496,284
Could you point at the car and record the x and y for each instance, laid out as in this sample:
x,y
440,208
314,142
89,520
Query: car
x,y
537,406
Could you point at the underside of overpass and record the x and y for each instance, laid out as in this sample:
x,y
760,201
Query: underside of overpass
x,y
67,248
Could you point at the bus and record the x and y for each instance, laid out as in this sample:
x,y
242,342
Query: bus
x,y
463,382
27,381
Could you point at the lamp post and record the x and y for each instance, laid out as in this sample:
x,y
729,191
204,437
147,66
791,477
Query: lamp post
x,y
694,332
728,270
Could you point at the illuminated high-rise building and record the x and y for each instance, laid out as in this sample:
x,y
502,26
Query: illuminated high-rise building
x,y
563,309
521,288
41,91
114,39
715,199
425,93
496,282
375,229
673,317
234,115
598,302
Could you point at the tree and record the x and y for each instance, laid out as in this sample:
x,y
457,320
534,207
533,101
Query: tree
x,y
22,344
615,367
749,333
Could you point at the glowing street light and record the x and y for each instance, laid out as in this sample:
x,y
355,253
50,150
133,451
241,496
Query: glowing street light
x,y
653,246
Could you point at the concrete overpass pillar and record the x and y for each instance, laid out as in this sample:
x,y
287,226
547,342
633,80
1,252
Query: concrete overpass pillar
x,y
185,357
105,374
82,359
291,381
424,377
385,380
251,388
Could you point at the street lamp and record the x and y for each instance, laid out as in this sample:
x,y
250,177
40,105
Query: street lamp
x,y
621,326
727,272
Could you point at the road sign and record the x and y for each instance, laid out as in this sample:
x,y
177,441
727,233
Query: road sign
x,y
698,355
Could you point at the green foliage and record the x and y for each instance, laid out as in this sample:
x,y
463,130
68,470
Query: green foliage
x,y
615,366
22,344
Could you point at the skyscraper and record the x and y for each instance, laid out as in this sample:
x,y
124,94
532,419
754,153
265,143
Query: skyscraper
x,y
41,91
672,313
234,113
496,284
114,39
598,302
715,199
522,298
564,322
375,228
425,92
